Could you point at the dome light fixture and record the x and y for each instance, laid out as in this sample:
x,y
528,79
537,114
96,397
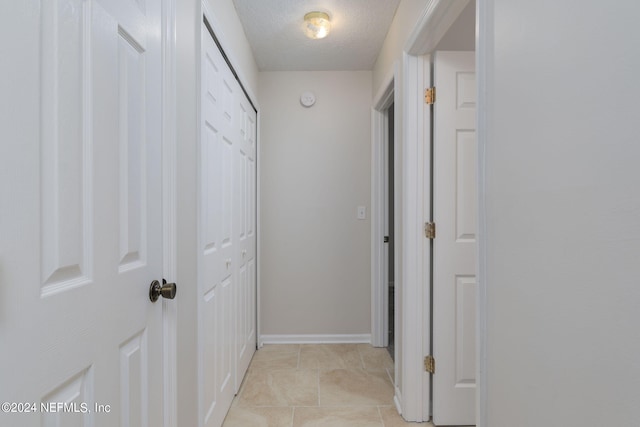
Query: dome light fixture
x,y
317,25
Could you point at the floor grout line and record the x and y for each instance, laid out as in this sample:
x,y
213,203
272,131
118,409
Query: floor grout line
x,y
380,415
293,414
319,388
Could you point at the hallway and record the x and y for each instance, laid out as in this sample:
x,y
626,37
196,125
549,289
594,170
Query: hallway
x,y
332,385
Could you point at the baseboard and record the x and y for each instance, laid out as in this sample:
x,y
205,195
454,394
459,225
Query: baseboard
x,y
315,339
397,399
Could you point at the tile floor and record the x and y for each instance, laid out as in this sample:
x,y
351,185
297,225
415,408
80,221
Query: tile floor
x,y
327,385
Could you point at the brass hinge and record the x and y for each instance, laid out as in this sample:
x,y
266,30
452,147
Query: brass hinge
x,y
430,364
430,95
430,230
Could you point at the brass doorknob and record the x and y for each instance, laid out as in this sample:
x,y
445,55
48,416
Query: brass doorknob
x,y
166,290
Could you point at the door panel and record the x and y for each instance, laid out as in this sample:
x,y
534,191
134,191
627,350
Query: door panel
x,y
80,225
454,248
131,161
64,172
134,389
465,186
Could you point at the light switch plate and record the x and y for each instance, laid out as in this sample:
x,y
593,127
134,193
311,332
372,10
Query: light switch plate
x,y
362,212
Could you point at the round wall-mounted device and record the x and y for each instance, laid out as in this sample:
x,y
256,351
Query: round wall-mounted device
x,y
307,99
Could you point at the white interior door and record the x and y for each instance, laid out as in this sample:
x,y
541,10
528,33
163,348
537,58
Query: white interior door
x,y
81,224
227,234
454,250
245,204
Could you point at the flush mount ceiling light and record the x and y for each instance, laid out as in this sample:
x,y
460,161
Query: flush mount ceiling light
x,y
316,25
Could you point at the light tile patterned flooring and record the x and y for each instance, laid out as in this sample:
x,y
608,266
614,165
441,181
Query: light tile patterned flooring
x,y
326,385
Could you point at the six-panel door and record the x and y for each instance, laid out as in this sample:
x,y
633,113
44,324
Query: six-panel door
x,y
454,248
81,226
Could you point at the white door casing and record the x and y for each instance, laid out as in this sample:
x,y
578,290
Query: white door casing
x,y
81,220
413,207
227,235
379,211
387,225
438,15
454,252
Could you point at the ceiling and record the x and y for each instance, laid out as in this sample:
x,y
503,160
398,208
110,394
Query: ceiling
x,y
275,31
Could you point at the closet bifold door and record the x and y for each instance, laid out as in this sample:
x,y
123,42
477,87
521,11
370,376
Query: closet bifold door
x,y
226,233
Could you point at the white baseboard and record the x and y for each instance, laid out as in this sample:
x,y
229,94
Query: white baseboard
x,y
315,339
397,399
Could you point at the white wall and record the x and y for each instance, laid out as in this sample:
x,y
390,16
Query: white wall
x,y
462,33
560,227
315,171
407,15
229,30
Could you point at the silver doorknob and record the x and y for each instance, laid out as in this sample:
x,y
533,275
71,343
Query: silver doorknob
x,y
166,290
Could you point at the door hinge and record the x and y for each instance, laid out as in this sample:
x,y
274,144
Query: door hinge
x,y
430,230
430,95
430,364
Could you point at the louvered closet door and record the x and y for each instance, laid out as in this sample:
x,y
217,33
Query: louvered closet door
x,y
227,234
80,214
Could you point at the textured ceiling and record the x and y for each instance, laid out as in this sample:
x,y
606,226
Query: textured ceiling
x,y
275,31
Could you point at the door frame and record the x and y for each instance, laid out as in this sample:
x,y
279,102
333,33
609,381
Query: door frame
x,y
415,394
379,133
416,250
411,253
484,57
169,214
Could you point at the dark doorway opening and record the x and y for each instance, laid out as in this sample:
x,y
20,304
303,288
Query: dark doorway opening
x,y
390,228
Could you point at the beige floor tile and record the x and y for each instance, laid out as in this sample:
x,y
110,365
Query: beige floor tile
x,y
279,348
240,416
330,356
391,418
285,387
342,387
337,417
375,357
276,357
336,385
